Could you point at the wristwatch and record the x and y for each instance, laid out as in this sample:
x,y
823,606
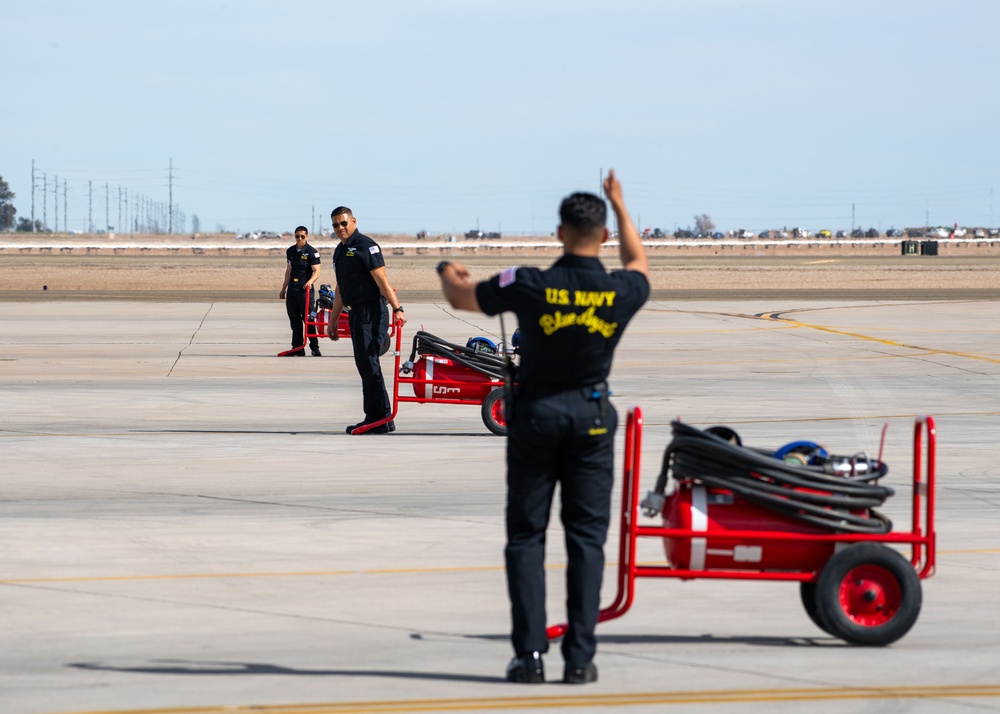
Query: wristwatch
x,y
398,309
442,265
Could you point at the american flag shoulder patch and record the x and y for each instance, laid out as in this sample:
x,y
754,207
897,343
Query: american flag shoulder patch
x,y
374,249
507,277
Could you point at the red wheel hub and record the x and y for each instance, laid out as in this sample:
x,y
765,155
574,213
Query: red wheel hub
x,y
496,411
870,595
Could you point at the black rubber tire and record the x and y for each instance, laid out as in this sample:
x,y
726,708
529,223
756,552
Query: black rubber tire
x,y
493,412
807,592
385,344
868,594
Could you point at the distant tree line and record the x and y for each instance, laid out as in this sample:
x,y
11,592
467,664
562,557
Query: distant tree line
x,y
8,213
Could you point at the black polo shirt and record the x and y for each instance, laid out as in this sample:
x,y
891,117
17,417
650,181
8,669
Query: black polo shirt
x,y
301,262
353,262
571,317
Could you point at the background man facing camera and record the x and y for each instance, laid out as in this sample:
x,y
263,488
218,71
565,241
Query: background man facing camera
x,y
302,266
561,425
363,286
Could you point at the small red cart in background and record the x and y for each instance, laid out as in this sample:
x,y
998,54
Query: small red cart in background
x,y
318,318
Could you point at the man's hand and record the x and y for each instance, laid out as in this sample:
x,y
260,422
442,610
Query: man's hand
x,y
630,248
461,272
613,190
400,318
331,331
281,295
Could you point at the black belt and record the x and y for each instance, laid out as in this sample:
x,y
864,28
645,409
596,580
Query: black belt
x,y
374,302
587,391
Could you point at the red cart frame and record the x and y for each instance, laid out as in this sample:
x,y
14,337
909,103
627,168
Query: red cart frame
x,y
494,407
921,537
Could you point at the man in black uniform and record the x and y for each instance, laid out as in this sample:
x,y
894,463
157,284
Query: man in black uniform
x,y
363,286
301,269
561,426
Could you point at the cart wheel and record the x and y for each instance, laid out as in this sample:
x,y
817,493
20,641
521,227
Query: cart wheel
x,y
868,594
807,591
492,412
385,344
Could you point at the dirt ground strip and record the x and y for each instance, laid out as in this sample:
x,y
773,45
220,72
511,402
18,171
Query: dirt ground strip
x,y
240,273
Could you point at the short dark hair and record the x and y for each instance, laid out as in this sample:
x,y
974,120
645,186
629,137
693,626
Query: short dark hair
x,y
302,229
584,212
341,209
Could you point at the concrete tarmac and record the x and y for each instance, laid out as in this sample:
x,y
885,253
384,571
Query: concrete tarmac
x,y
185,526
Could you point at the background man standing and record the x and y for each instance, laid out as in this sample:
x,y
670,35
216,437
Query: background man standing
x,y
363,286
301,269
561,425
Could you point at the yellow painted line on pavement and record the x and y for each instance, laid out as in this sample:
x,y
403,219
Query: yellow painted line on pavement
x,y
775,316
222,576
734,696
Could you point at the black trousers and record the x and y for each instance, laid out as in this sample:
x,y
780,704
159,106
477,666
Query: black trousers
x,y
369,323
295,306
566,438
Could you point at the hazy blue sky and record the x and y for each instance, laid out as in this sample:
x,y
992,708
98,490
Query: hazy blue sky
x,y
444,114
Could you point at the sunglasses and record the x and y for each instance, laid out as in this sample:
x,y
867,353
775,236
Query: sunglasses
x,y
342,224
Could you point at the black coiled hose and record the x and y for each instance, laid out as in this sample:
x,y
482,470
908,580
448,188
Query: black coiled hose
x,y
424,343
827,500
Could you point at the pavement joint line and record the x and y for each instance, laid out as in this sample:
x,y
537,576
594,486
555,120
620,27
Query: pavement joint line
x,y
8,433
647,421
734,696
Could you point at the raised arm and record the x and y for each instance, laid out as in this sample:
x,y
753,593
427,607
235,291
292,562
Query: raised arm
x,y
630,248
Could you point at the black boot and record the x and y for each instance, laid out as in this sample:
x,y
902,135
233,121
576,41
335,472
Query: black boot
x,y
580,674
527,669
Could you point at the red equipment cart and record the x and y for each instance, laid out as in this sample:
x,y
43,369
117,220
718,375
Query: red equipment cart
x,y
445,379
852,585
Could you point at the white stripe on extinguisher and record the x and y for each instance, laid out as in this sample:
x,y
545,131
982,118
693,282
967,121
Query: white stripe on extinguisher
x,y
429,374
699,523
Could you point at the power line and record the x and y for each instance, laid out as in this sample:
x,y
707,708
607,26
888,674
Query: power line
x,y
32,195
170,194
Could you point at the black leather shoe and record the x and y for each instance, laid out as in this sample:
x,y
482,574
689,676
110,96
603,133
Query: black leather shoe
x,y
580,674
316,352
527,669
300,353
381,429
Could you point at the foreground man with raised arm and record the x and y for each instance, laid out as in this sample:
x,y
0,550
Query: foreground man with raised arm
x,y
561,425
